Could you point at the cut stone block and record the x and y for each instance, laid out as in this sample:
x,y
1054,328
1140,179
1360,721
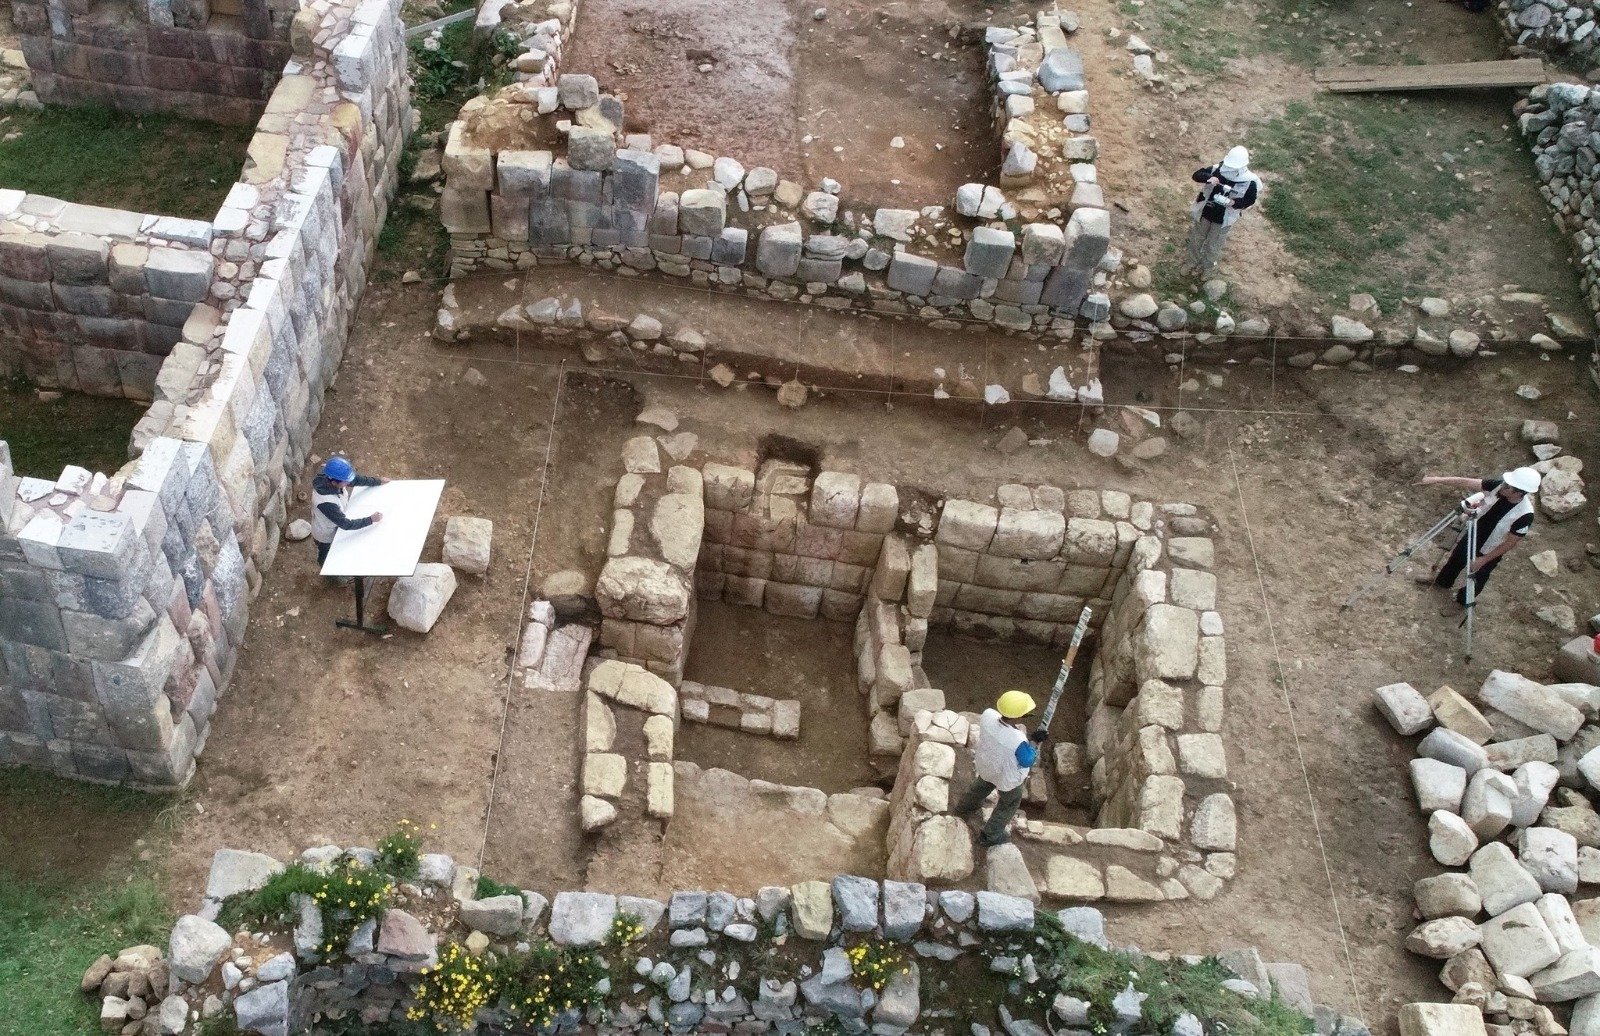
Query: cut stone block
x,y
1501,880
1518,942
1405,709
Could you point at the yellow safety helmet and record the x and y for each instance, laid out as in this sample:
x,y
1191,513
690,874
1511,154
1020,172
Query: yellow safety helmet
x,y
1015,704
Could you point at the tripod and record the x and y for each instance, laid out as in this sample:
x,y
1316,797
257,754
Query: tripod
x,y
1405,555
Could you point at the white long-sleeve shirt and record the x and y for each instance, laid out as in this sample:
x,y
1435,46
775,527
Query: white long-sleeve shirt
x,y
1002,749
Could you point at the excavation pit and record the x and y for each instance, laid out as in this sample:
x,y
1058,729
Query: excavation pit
x,y
735,601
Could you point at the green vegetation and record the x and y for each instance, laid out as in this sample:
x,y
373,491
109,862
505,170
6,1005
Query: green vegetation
x,y
488,888
347,895
535,987
400,851
84,155
66,899
47,435
875,961
1204,35
1067,964
1363,198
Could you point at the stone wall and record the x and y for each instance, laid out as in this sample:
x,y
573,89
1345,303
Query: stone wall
x,y
630,719
1154,760
92,299
586,200
645,590
779,539
126,597
702,961
1562,121
1041,115
1564,30
194,58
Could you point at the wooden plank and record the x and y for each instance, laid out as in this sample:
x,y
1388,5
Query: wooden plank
x,y
1461,76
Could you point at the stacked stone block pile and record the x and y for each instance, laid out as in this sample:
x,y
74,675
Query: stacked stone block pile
x,y
1507,779
1561,122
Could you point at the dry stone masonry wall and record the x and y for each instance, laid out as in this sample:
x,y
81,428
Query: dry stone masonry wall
x,y
217,57
1042,115
126,597
589,201
1562,122
828,546
1556,27
779,960
94,299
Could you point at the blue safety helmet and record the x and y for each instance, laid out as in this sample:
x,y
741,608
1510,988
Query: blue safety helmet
x,y
339,469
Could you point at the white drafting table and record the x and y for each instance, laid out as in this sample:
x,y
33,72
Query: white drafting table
x,y
390,548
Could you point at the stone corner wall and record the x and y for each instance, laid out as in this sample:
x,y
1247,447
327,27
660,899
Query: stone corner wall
x,y
646,589
126,597
212,60
92,299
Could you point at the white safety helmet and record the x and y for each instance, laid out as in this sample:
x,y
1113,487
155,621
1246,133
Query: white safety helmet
x,y
1525,480
1235,162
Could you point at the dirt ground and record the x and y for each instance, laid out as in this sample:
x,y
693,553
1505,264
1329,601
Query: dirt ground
x,y
1310,479
811,661
808,97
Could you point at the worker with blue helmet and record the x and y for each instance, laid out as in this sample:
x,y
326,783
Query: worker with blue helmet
x,y
330,496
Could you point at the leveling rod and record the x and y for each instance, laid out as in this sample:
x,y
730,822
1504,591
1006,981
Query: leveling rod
x,y
1066,669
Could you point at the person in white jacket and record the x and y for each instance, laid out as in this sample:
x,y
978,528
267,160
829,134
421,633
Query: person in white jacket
x,y
1002,759
1504,509
1226,190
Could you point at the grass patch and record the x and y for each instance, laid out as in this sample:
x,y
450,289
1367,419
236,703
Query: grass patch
x,y
488,888
185,168
67,895
91,431
1365,188
1204,35
1171,987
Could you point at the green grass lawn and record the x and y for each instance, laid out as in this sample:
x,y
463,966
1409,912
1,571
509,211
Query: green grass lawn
x,y
90,431
71,888
1364,198
142,163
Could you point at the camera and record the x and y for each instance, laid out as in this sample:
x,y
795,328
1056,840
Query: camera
x,y
1216,202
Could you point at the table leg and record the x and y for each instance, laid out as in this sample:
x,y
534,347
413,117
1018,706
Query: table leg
x,y
360,586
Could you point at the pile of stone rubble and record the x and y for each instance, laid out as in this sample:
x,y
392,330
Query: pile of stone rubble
x,y
684,973
1506,783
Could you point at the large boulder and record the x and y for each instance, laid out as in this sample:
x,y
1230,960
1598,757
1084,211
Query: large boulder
x,y
1518,942
1441,1020
417,600
234,871
643,590
582,918
1530,704
195,947
264,1009
1561,495
1502,881
466,544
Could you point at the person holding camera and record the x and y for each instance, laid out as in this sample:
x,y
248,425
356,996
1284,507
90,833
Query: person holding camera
x,y
1226,190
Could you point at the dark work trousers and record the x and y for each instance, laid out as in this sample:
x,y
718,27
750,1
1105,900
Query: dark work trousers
x,y
322,551
1458,561
994,831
